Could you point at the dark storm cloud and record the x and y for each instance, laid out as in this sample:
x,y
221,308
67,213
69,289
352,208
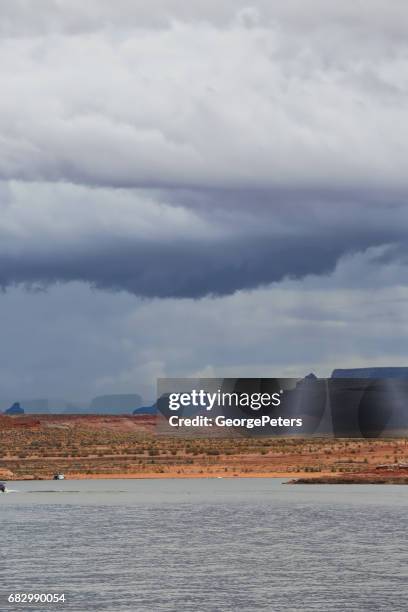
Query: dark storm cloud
x,y
199,148
177,270
218,243
187,270
185,149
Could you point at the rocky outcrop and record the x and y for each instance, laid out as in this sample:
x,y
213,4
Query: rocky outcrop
x,y
355,479
14,409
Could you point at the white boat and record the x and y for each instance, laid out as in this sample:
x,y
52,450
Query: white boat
x,y
59,476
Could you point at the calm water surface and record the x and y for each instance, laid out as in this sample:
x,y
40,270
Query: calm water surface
x,y
205,545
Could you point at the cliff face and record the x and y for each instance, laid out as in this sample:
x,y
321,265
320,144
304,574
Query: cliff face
x,y
370,373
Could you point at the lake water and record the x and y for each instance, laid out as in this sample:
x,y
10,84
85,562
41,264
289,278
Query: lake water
x,y
205,545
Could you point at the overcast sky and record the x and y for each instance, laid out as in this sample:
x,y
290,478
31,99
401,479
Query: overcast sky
x,y
200,188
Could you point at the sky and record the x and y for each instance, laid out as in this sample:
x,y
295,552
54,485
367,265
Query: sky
x,y
208,188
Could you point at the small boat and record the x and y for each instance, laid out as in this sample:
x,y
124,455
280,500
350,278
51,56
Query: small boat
x,y
3,487
59,476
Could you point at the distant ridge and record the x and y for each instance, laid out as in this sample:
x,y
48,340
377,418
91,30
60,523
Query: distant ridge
x,y
370,373
115,404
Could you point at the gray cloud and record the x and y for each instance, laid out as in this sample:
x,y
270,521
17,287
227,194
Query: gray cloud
x,y
223,95
199,148
74,16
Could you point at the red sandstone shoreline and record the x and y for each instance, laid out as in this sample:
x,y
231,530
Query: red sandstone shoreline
x,y
301,477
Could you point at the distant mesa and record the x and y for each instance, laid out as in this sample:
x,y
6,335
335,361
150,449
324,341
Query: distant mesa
x,y
35,406
145,410
71,408
370,373
15,409
115,404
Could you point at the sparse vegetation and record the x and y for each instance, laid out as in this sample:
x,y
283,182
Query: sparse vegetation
x,y
125,445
